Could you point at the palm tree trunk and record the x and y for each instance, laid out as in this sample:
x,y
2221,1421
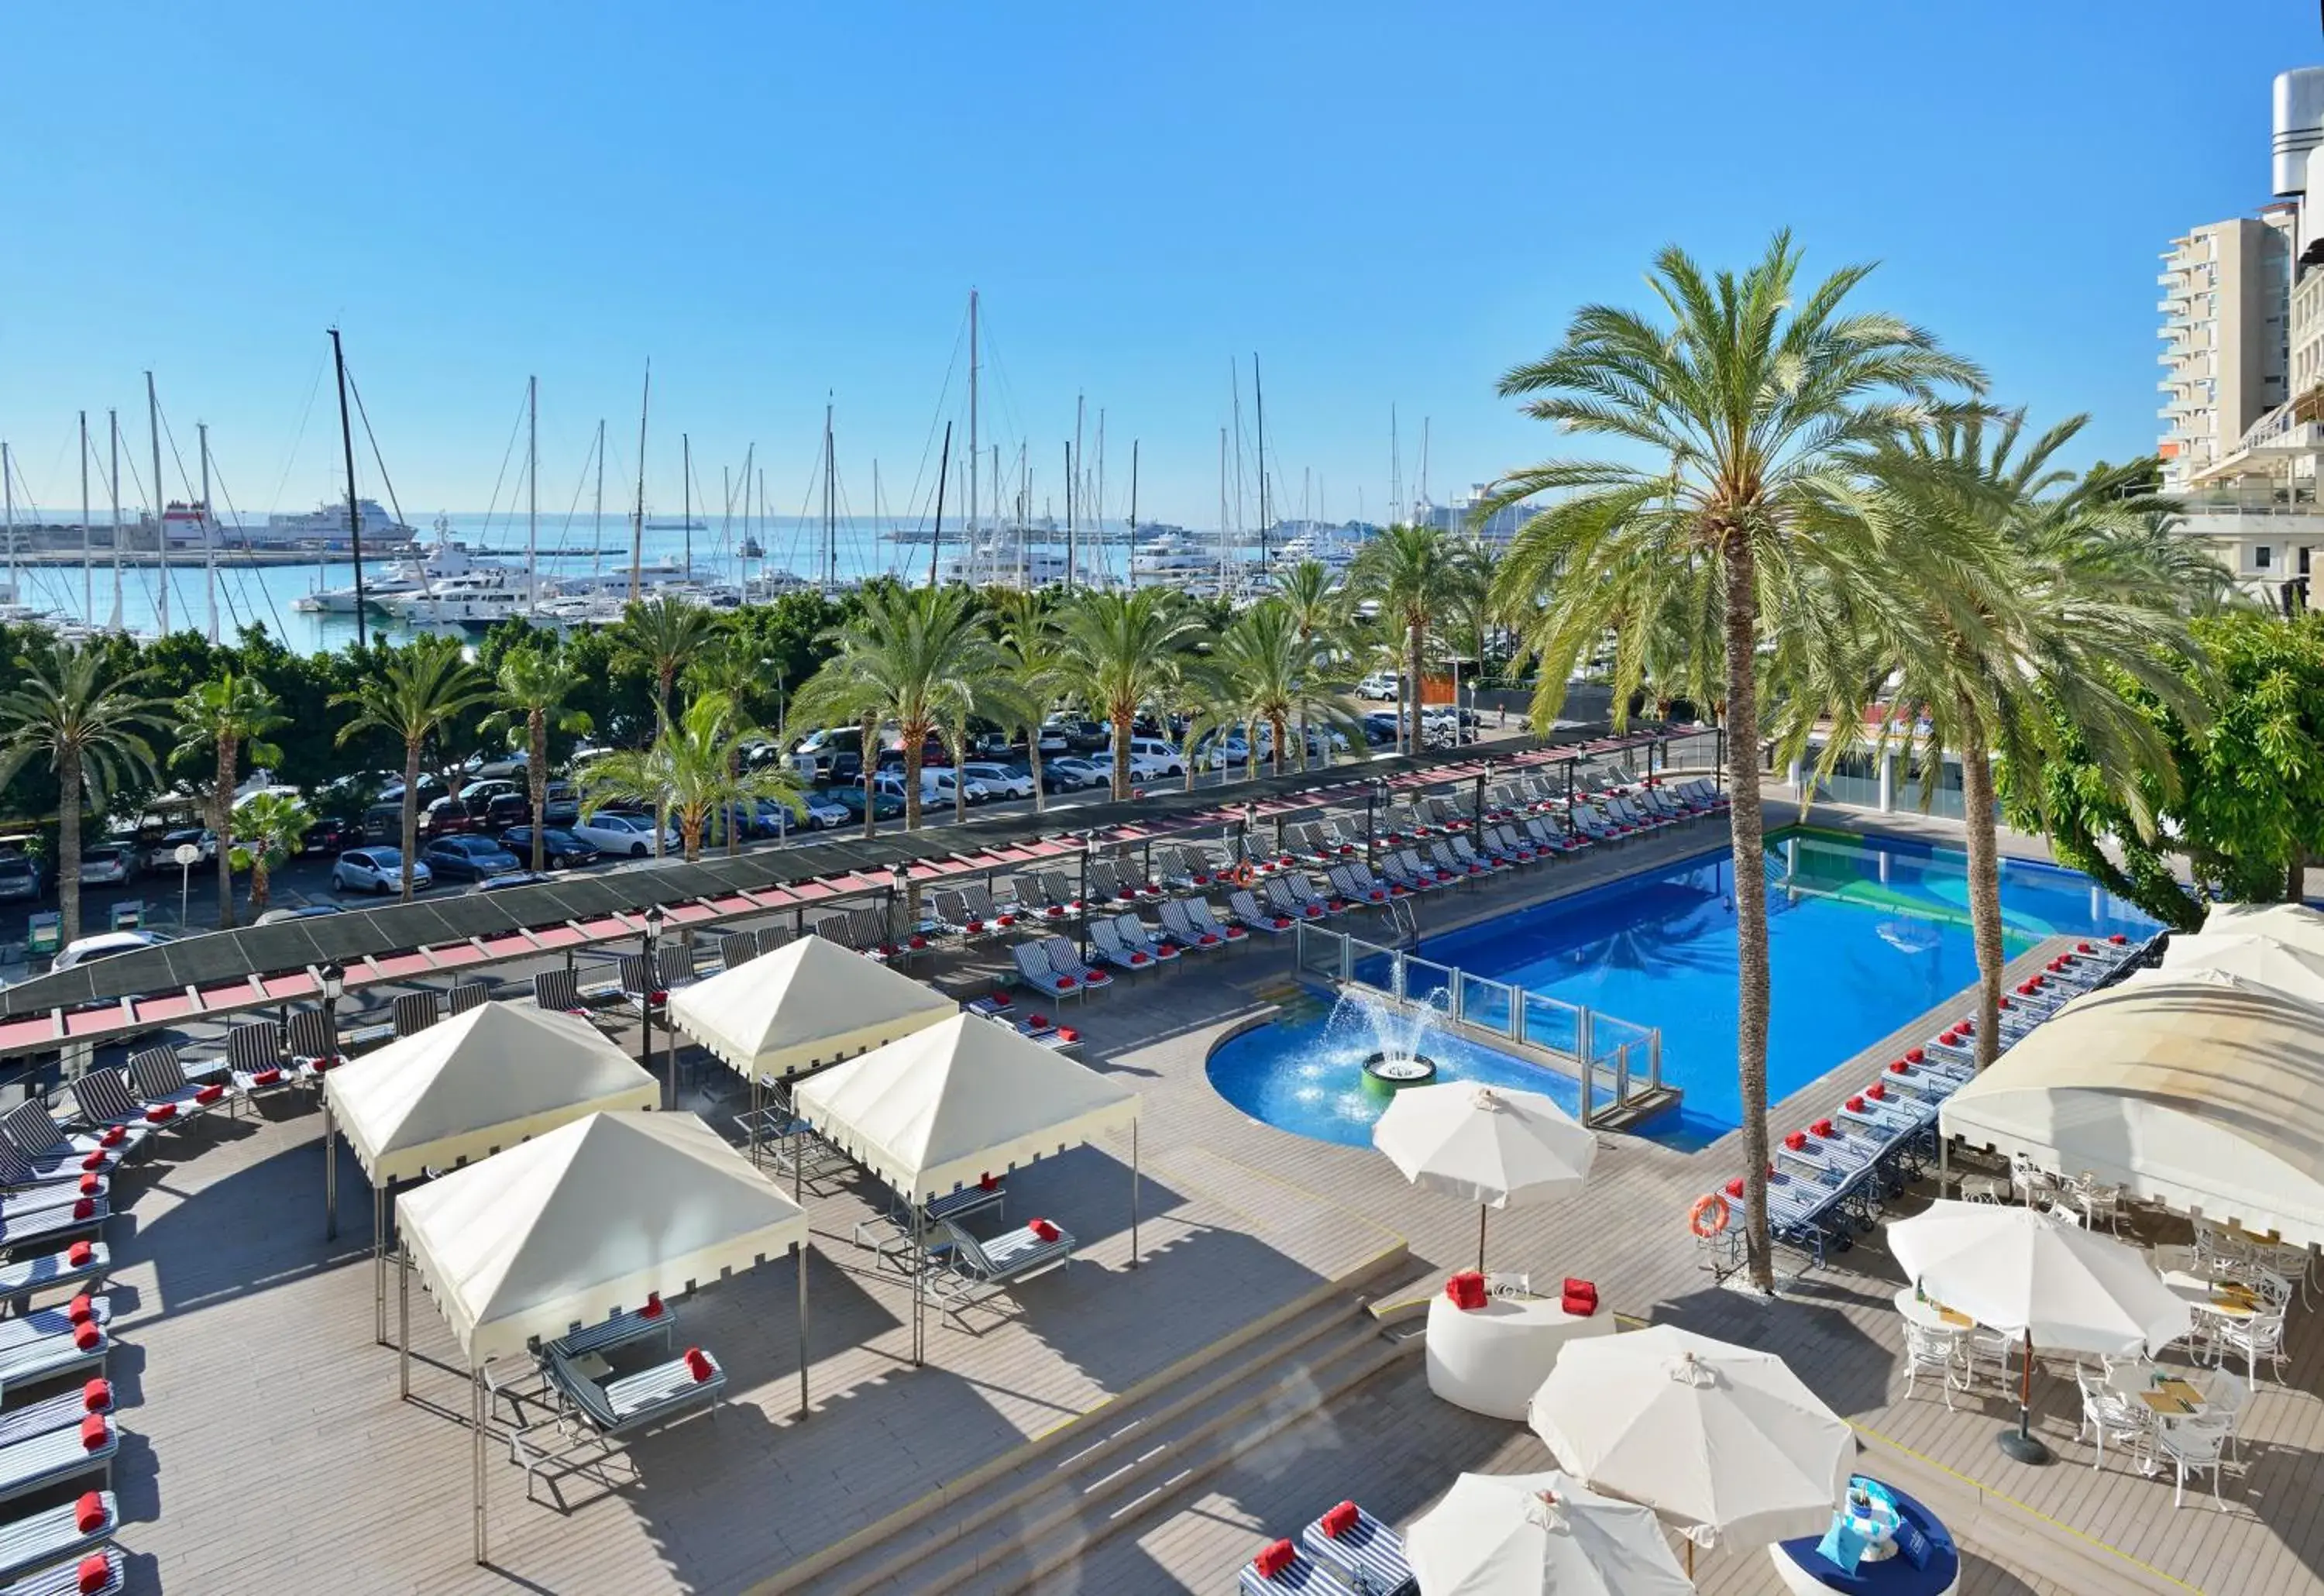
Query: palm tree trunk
x,y
1033,762
537,778
410,811
222,823
960,776
258,886
1121,719
1984,893
69,801
1750,897
870,736
1419,635
1281,730
914,749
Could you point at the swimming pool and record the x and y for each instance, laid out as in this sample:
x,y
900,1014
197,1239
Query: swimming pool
x,y
1863,933
1303,1071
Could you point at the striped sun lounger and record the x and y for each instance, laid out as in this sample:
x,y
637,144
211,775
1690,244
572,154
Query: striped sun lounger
x,y
53,1535
1302,1573
1367,1552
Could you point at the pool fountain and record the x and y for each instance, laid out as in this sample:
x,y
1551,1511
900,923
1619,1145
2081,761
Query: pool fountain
x,y
1395,1032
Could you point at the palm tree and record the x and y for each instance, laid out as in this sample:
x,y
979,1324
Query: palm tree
x,y
1123,652
227,716
668,633
1409,571
2049,599
274,826
1319,612
728,664
691,774
424,685
1261,671
1746,399
920,657
532,684
90,722
1032,673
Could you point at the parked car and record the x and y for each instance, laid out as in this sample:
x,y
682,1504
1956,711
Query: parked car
x,y
1151,760
110,864
1001,781
512,878
105,945
1082,736
560,848
377,870
469,858
560,805
20,876
936,788
624,836
507,809
1052,741
886,803
1219,753
305,911
477,796
822,812
1380,685
1069,773
431,789
994,747
163,854
446,816
1380,727
328,835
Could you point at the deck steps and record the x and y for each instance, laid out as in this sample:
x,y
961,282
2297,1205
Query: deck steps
x,y
1060,1483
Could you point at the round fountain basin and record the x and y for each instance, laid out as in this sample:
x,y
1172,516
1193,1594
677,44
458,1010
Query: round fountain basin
x,y
1393,1072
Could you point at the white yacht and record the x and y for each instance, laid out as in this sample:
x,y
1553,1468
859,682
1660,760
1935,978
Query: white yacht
x,y
474,601
448,559
326,526
1162,553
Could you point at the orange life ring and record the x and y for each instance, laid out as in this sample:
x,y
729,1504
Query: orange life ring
x,y
1716,1207
1243,875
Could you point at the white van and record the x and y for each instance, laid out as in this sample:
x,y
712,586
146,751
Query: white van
x,y
1150,759
937,787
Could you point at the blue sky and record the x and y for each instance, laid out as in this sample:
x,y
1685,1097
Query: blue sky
x,y
1390,203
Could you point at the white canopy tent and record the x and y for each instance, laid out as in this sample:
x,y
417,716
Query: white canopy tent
x,y
462,1090
584,1221
2191,1088
808,1004
2293,925
945,1106
2261,960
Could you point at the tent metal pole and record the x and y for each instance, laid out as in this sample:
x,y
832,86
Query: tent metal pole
x,y
757,1107
919,1280
403,1318
378,1266
798,1195
477,1454
1133,1193
330,1175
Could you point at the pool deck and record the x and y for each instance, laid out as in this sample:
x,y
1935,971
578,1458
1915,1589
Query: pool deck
x,y
266,1449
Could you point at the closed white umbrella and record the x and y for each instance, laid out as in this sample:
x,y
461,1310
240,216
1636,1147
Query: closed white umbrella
x,y
1539,1535
2018,1271
2292,971
1494,1147
1724,1441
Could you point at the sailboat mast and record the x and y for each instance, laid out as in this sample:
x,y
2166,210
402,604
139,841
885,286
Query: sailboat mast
x,y
87,582
943,468
161,513
8,528
113,427
830,507
597,525
1072,555
1223,512
1423,498
637,521
354,510
1129,561
1105,558
1395,471
209,532
1258,402
972,426
685,496
533,496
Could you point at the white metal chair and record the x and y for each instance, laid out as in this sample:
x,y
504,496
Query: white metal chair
x,y
2259,1336
2109,1411
1939,1352
2195,1442
2226,1396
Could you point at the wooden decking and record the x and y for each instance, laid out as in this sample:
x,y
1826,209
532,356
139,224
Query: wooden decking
x,y
267,1451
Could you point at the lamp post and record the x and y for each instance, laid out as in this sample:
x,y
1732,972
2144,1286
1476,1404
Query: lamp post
x,y
335,983
1371,822
899,886
653,918
1089,852
1484,778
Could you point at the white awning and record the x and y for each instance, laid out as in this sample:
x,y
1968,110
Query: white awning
x,y
587,1221
963,1099
808,1004
2263,960
470,1086
2291,924
2190,1088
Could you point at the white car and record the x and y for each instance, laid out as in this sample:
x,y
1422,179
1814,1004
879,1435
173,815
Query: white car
x,y
105,945
1151,759
1380,686
1002,781
822,814
378,870
622,836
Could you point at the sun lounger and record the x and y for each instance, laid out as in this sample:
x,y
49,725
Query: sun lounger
x,y
1352,889
1284,901
1806,1215
1138,937
1178,869
658,1319
1107,941
978,897
35,1199
102,1573
413,1012
1034,969
49,1270
1180,925
1204,918
54,1535
255,1059
634,1403
47,1357
63,1411
1418,867
39,1324
1300,1575
49,1227
20,1174
39,1462
1398,874
36,1134
102,1100
964,1265
1365,1551
315,1047
1301,886
1551,834
1051,894
1248,914
1468,854
1451,866
162,1080
1065,959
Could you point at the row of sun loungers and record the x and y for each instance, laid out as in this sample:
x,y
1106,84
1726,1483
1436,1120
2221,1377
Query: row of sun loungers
x,y
1345,1553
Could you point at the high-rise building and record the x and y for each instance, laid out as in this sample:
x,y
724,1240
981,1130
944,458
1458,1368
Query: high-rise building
x,y
2225,305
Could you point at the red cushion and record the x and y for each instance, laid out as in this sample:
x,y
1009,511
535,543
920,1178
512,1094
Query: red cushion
x,y
1097,978
94,1161
81,1309
321,1065
1914,1055
1066,1033
266,1077
1037,1021
919,941
97,1568
1735,1186
88,1515
974,926
1043,1228
653,1308
986,1183
697,1364
1281,924
1588,1288
2081,947
657,996
1466,1289
1274,1559
1578,1308
1139,958
1795,1140
2119,939
98,1396
160,1113
94,1431
1236,933
1897,1066
999,1000
88,1337
1823,1128
80,1254
1065,983
1006,920
1341,1519
84,1207
1950,1039
209,1093
115,1135
1878,1091
90,1184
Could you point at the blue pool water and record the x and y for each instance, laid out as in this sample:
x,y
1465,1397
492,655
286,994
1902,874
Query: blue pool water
x,y
1302,1073
1874,931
